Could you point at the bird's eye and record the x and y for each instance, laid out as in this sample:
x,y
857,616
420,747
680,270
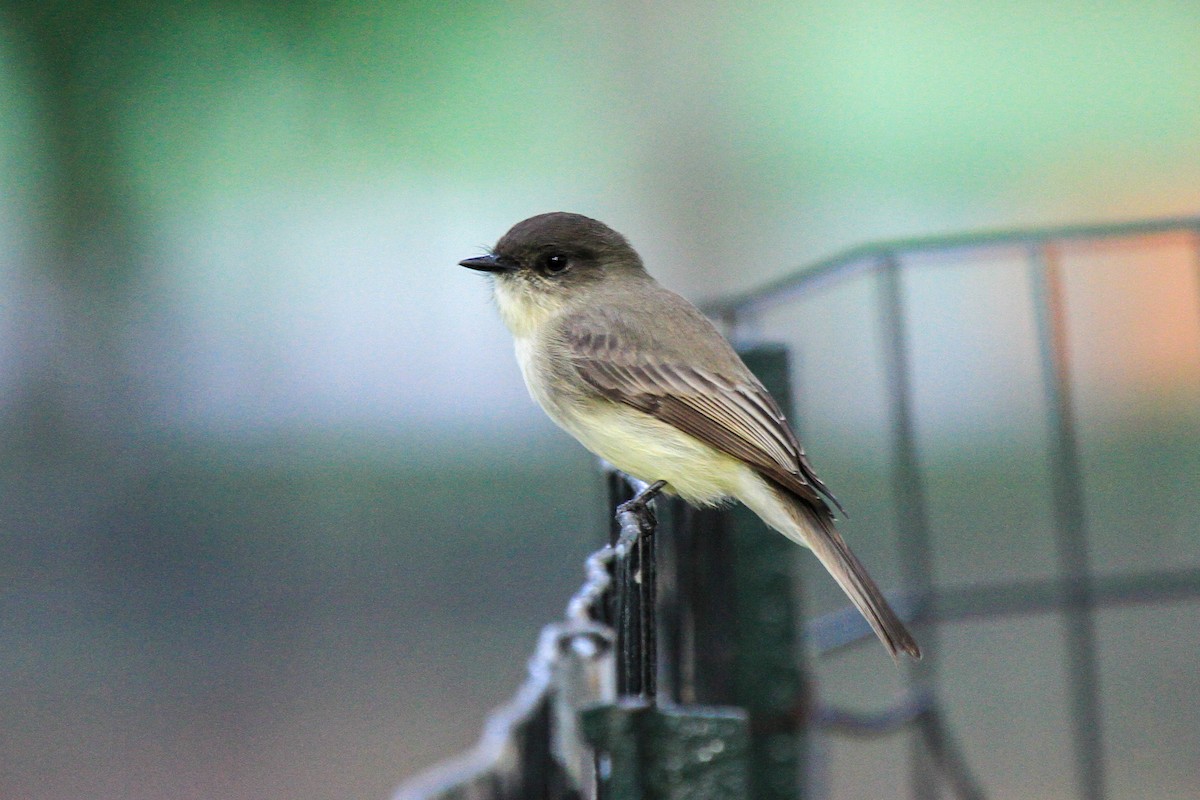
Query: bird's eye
x,y
555,263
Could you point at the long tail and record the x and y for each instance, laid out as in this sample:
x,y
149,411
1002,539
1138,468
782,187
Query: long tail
x,y
816,531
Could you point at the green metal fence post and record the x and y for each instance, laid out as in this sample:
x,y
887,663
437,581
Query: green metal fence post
x,y
652,753
644,751
769,678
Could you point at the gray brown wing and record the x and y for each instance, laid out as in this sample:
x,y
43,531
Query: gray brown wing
x,y
737,417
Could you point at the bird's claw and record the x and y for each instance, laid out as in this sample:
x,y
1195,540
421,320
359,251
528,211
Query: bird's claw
x,y
638,503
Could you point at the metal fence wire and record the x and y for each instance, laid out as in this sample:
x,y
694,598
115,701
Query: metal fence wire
x,y
680,669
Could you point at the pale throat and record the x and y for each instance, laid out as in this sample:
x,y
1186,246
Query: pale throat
x,y
522,310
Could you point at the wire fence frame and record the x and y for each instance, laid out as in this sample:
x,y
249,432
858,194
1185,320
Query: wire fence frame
x,y
1076,591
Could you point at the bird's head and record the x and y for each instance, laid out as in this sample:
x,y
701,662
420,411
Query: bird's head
x,y
546,262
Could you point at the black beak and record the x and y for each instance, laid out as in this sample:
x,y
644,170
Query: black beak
x,y
489,263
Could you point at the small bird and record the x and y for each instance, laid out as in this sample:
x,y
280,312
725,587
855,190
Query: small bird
x,y
644,380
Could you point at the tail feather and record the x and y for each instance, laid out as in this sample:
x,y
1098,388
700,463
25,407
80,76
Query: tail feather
x,y
827,544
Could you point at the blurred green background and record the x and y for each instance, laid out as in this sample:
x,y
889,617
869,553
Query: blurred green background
x,y
278,519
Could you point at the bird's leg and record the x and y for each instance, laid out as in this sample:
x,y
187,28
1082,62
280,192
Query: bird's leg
x,y
639,501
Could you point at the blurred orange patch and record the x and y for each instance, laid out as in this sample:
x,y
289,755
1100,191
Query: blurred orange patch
x,y
1133,319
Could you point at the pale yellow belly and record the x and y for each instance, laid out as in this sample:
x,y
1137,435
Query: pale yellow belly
x,y
651,450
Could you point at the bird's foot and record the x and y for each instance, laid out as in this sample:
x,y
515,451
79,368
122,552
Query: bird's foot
x,y
638,503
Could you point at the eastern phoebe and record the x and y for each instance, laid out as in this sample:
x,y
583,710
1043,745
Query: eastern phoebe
x,y
642,379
